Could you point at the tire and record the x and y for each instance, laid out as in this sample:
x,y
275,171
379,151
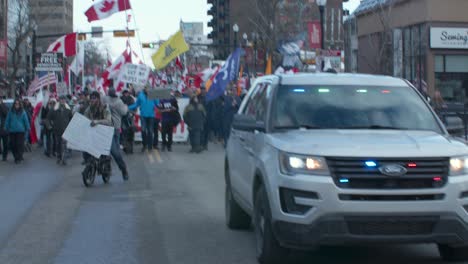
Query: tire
x,y
88,175
450,253
269,251
236,217
106,177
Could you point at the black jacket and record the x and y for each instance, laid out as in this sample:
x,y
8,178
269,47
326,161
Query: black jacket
x,y
3,116
59,118
195,116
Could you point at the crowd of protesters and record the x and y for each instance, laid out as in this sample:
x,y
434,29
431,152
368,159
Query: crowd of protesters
x,y
206,121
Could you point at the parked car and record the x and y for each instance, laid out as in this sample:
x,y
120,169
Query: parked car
x,y
332,159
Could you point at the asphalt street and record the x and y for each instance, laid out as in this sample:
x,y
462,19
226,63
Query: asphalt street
x,y
171,211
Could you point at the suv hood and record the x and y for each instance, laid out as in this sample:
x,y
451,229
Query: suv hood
x,y
368,143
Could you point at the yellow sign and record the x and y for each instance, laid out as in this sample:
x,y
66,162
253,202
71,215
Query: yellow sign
x,y
168,51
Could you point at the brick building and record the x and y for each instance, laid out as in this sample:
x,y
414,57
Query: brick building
x,y
424,41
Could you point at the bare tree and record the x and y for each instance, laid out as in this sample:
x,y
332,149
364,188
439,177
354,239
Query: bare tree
x,y
20,29
380,61
276,20
266,21
21,25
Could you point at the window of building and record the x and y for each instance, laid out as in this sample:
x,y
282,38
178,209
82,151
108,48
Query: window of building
x,y
414,55
451,76
439,63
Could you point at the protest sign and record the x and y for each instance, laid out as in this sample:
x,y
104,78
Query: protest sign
x,y
135,74
159,94
81,136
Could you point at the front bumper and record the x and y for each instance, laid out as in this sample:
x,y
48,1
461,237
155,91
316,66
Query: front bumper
x,y
332,220
338,230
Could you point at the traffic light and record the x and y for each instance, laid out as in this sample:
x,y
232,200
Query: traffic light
x,y
148,45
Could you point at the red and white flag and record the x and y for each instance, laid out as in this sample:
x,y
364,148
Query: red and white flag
x,y
179,64
106,8
65,45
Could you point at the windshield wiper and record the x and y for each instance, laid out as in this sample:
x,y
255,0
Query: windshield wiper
x,y
374,127
299,127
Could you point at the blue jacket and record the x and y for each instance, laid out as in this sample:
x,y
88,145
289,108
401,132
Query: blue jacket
x,y
146,106
17,122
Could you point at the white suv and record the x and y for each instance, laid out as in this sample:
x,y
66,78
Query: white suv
x,y
327,159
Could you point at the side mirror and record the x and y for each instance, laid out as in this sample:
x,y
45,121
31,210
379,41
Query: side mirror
x,y
247,123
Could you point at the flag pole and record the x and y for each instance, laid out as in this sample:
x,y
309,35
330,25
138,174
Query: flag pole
x,y
83,70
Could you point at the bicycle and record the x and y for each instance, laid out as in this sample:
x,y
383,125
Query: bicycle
x,y
101,166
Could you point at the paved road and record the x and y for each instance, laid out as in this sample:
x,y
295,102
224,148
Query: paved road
x,y
171,211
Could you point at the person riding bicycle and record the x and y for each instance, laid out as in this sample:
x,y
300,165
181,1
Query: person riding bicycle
x,y
100,114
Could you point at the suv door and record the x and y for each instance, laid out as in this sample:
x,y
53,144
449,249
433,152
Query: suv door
x,y
252,141
236,153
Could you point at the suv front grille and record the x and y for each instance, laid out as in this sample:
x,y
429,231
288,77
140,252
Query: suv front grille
x,y
390,226
422,173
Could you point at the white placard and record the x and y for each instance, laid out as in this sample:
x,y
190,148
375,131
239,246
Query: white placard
x,y
81,136
135,74
449,38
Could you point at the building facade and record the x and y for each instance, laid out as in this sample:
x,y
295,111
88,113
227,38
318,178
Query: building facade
x,y
52,17
3,35
290,21
423,41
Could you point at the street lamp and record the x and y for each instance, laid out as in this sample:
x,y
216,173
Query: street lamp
x,y
321,4
244,36
235,28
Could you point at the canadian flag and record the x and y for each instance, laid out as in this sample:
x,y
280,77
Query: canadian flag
x,y
114,70
65,45
106,8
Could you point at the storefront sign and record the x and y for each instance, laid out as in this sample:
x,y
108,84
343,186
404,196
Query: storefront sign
x,y
449,38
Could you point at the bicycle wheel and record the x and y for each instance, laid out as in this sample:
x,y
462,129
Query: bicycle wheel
x,y
106,177
89,175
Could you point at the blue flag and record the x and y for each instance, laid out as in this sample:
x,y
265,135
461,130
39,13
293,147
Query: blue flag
x,y
226,74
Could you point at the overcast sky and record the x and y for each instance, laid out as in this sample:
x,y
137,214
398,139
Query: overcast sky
x,y
155,19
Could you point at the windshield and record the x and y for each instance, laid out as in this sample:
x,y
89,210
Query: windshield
x,y
351,107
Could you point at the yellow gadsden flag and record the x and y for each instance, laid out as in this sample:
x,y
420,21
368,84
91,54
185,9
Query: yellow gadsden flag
x,y
168,51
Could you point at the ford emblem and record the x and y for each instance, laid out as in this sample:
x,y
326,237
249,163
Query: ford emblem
x,y
393,170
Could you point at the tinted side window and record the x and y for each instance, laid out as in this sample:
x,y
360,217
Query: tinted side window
x,y
258,102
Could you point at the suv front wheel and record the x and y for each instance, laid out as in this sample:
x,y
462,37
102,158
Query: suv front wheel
x,y
269,251
236,217
450,253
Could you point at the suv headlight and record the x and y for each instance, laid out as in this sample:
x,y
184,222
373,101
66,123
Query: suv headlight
x,y
458,166
292,164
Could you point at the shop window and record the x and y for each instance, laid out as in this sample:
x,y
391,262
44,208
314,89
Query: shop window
x,y
439,63
456,63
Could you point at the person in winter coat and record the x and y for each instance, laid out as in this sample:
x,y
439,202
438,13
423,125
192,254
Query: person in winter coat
x,y
17,124
231,106
157,121
207,125
118,109
48,135
146,117
128,126
59,118
170,118
195,117
3,132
